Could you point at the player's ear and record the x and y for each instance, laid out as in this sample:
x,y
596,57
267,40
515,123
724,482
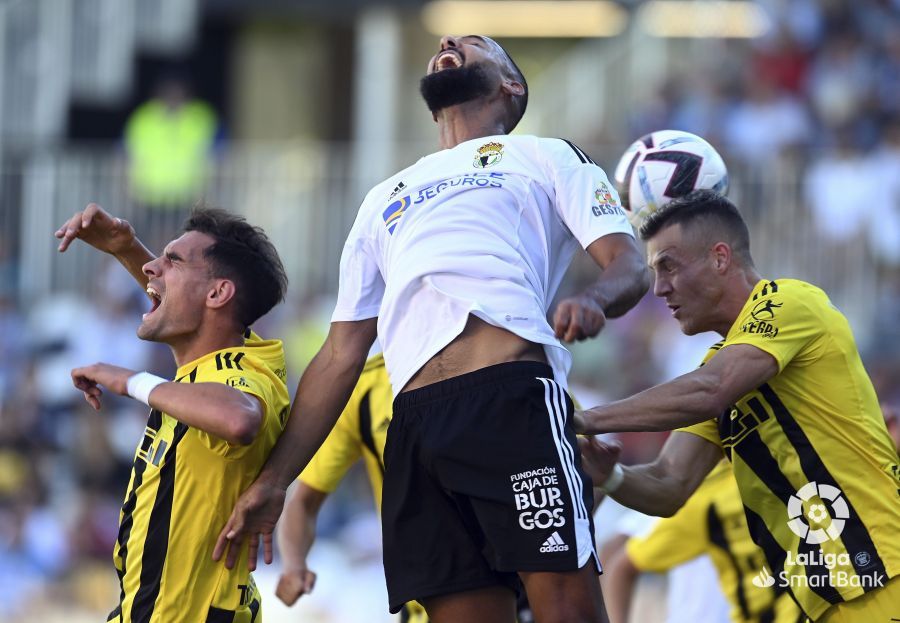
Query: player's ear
x,y
512,87
721,256
221,292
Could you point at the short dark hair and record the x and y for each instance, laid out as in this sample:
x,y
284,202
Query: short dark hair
x,y
243,254
520,101
704,210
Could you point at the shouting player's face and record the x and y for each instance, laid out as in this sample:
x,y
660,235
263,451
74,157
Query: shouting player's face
x,y
179,282
687,278
464,69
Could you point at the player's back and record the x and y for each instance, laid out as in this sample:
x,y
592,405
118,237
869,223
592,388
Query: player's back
x,y
183,486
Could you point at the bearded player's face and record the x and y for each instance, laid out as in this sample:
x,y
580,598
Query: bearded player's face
x,y
464,69
179,282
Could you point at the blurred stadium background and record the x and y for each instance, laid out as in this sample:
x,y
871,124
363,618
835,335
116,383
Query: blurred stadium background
x,y
288,111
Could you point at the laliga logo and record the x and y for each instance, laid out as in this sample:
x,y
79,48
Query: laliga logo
x,y
817,513
763,579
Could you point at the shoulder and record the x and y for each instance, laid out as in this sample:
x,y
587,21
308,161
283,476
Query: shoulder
x,y
562,152
787,297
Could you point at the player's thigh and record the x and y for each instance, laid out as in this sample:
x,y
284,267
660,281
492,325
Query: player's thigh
x,y
565,596
493,604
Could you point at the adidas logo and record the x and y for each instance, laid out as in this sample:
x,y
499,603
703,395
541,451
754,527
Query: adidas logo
x,y
554,543
763,579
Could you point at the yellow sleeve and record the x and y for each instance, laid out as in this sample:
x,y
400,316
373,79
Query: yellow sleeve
x,y
250,379
342,448
780,322
708,430
672,540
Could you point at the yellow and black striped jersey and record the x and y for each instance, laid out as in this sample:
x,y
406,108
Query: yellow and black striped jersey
x,y
817,471
360,431
712,522
183,487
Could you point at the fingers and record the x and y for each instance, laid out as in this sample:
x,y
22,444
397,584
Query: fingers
x,y
252,553
223,541
68,232
92,400
267,548
294,584
288,591
578,319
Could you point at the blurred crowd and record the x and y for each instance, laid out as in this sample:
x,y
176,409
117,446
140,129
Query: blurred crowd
x,y
822,89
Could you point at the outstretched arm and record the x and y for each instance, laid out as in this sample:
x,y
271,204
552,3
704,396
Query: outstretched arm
x,y
659,488
296,535
624,281
215,408
322,393
109,234
694,397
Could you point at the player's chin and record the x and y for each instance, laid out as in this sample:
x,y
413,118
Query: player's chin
x,y
148,332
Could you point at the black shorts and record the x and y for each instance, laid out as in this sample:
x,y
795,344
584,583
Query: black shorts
x,y
483,479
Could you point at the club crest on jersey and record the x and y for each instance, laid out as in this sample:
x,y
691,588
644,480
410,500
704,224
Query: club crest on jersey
x,y
606,201
393,213
488,155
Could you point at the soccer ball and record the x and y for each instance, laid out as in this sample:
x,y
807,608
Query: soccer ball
x,y
663,165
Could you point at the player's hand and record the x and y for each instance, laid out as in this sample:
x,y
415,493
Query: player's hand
x,y
89,378
97,228
598,457
254,516
294,583
578,318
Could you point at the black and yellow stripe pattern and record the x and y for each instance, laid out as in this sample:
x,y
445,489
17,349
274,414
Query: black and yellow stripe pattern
x,y
817,421
184,483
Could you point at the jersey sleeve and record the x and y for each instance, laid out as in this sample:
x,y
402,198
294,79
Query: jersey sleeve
x,y
361,286
779,322
342,448
708,430
244,373
671,541
586,201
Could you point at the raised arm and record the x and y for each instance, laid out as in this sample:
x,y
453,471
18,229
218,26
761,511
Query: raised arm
x,y
296,535
691,398
109,234
624,281
322,393
659,488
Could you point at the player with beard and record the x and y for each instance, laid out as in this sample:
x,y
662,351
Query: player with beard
x,y
454,263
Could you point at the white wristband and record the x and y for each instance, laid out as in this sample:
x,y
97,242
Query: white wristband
x,y
141,384
614,480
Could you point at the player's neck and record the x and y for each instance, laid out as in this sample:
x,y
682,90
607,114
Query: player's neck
x,y
209,341
464,122
736,295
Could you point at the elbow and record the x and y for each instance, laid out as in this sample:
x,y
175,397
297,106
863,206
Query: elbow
x,y
710,403
244,427
668,507
642,279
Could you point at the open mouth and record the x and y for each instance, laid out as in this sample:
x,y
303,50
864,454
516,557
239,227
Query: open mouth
x,y
448,59
155,300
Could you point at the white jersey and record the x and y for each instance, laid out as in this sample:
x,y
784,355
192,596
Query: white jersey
x,y
486,228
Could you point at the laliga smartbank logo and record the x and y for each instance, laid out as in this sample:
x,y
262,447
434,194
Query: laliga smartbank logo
x,y
817,514
809,517
764,579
